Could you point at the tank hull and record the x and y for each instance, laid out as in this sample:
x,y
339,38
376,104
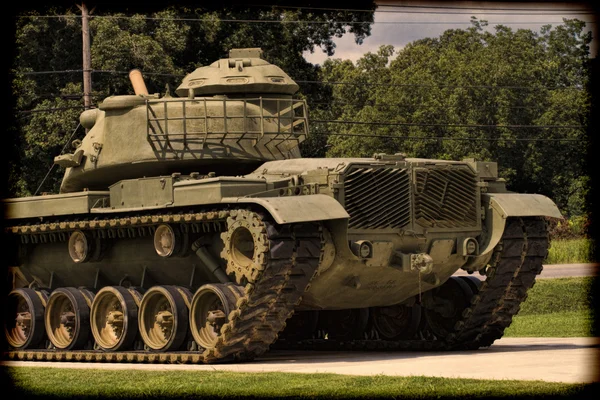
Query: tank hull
x,y
189,230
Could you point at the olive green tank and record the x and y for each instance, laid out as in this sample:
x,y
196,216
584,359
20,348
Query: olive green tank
x,y
189,229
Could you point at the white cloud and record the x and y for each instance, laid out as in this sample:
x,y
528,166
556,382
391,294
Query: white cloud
x,y
416,26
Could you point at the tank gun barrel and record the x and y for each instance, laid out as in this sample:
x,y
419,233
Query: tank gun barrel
x,y
137,81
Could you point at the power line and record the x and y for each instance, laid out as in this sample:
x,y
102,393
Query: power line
x,y
108,71
388,106
469,8
438,86
444,138
377,106
379,123
37,110
331,82
66,71
94,71
448,125
282,21
514,11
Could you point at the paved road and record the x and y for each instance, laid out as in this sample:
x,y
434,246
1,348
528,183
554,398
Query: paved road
x,y
550,359
558,271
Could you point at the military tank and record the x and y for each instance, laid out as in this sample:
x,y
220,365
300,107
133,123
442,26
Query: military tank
x,y
189,229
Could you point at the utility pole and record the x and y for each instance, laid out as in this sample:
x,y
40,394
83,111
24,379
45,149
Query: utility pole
x,y
87,57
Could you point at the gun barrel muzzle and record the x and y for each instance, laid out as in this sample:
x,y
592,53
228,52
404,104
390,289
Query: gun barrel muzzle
x,y
137,81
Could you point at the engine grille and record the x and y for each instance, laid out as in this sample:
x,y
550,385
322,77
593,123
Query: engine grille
x,y
446,197
377,198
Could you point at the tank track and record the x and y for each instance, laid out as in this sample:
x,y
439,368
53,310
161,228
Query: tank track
x,y
290,262
515,263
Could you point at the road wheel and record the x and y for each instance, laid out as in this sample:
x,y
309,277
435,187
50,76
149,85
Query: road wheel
x,y
114,318
163,318
446,307
396,322
210,310
24,326
67,318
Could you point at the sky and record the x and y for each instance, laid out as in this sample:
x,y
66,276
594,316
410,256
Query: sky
x,y
398,26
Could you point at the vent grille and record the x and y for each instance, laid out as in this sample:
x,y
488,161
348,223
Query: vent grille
x,y
446,198
377,198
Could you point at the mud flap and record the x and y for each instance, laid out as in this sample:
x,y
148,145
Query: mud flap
x,y
500,206
293,209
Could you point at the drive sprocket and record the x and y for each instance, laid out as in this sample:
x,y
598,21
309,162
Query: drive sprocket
x,y
245,245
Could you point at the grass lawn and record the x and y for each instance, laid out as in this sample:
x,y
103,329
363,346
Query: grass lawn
x,y
556,308
101,384
572,251
561,324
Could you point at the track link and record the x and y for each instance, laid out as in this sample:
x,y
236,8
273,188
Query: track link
x,y
515,263
290,260
294,254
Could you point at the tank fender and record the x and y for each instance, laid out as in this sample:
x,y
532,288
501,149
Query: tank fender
x,y
292,209
500,206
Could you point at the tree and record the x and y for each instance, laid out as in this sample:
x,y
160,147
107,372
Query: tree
x,y
468,94
165,43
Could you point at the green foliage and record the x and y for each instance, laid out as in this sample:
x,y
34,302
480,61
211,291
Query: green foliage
x,y
122,43
475,77
568,228
571,251
464,76
165,43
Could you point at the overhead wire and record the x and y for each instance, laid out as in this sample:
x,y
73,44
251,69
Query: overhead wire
x,y
434,86
329,121
357,83
284,21
468,8
329,82
38,110
391,105
406,9
445,137
384,106
427,7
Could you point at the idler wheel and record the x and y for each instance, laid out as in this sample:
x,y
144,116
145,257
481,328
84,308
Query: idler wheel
x,y
448,303
396,322
67,318
210,310
114,318
163,318
24,324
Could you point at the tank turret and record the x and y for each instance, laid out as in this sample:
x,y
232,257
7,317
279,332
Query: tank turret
x,y
228,118
244,74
